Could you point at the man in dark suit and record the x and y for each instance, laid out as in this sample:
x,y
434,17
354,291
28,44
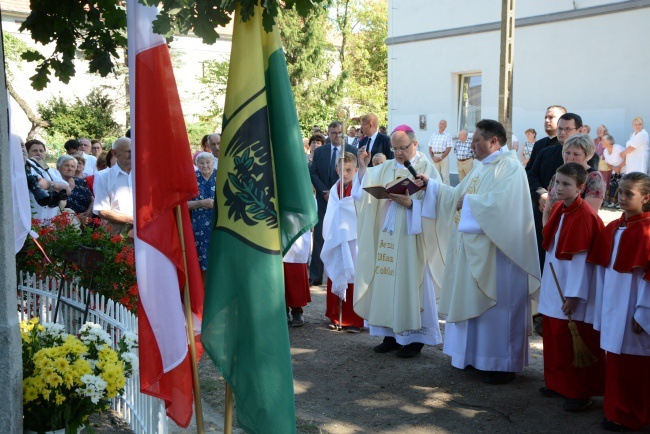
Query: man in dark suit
x,y
374,142
548,160
323,176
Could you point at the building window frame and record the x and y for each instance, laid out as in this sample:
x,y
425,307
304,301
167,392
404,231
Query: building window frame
x,y
469,100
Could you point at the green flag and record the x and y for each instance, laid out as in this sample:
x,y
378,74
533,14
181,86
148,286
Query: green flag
x,y
264,202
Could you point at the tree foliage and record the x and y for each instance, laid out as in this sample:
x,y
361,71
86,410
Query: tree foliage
x,y
98,28
366,59
214,82
89,117
310,60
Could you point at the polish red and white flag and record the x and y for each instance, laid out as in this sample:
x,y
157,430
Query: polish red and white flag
x,y
163,179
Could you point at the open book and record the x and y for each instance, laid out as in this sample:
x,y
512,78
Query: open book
x,y
398,186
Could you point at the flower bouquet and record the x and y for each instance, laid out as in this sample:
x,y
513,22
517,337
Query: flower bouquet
x,y
68,378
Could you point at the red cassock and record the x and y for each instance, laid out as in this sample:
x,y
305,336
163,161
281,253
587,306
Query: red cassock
x,y
296,284
627,390
349,318
580,228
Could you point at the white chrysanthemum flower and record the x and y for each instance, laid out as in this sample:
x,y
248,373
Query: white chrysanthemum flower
x,y
94,387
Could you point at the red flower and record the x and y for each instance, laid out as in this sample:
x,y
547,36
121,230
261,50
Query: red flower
x,y
96,236
116,238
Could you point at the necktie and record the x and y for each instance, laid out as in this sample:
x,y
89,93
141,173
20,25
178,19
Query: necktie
x,y
333,162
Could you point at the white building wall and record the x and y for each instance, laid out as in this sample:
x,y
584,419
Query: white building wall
x,y
594,66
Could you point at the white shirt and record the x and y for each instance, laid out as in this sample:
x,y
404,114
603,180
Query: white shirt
x,y
637,161
614,158
372,141
90,167
43,213
114,191
439,142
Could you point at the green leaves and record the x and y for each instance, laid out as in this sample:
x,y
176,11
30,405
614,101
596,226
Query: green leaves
x,y
90,117
98,29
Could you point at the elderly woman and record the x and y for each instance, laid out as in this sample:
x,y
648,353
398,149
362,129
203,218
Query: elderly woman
x,y
637,148
80,199
315,141
48,179
579,148
201,207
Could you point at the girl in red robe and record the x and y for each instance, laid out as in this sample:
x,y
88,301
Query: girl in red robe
x,y
622,253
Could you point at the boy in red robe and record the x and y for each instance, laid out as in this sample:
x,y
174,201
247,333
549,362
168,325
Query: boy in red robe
x,y
568,236
339,254
622,253
296,279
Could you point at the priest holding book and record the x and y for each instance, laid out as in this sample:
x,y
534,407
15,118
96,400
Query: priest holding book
x,y
400,262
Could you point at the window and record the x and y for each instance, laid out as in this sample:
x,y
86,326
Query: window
x,y
469,102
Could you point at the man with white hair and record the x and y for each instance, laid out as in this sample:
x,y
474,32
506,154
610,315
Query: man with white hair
x,y
114,189
90,167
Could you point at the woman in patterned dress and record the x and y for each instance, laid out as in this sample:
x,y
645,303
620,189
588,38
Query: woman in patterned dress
x,y
201,207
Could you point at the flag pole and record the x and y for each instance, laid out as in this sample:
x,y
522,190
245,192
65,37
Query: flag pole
x,y
227,415
190,327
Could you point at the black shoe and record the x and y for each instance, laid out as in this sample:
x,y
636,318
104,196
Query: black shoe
x,y
548,393
608,425
389,344
409,351
498,377
352,329
537,324
577,404
298,320
315,282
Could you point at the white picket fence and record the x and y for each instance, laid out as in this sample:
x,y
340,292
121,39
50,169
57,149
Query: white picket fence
x,y
37,297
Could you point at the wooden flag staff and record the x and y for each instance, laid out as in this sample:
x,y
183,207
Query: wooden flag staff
x,y
227,415
187,301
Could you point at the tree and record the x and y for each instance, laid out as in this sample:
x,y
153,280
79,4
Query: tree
x,y
90,117
310,58
14,48
366,60
214,81
98,28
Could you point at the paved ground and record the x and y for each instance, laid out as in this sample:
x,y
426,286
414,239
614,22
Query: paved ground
x,y
343,387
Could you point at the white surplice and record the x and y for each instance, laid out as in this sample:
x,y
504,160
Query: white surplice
x,y
491,268
402,305
619,298
339,253
575,277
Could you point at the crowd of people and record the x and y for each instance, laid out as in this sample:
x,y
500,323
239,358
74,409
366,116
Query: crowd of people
x,y
400,245
480,253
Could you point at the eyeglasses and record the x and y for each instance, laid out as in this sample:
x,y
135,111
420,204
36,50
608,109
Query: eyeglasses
x,y
566,130
401,149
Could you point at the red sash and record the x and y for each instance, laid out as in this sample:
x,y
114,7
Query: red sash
x,y
580,228
633,249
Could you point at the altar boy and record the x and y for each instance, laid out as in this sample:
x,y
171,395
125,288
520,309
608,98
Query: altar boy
x,y
568,236
339,252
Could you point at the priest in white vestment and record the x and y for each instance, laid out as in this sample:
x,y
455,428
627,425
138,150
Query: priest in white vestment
x,y
492,267
400,262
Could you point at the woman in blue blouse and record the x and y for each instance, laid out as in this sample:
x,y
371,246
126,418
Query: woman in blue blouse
x,y
201,207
